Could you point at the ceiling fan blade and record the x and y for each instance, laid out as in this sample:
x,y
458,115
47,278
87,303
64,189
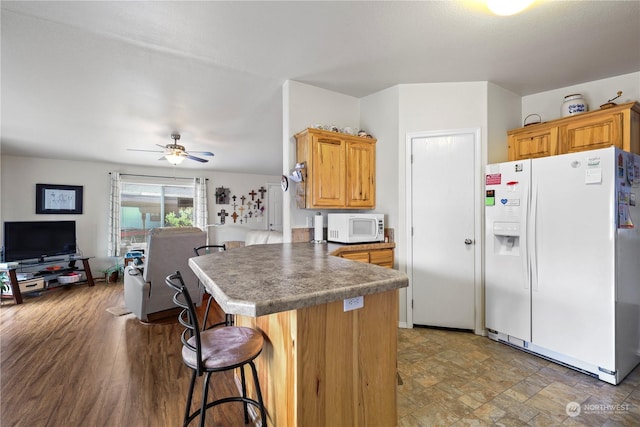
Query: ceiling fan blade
x,y
146,151
197,159
202,153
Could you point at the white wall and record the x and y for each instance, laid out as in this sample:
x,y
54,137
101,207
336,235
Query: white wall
x,y
21,174
239,185
392,113
389,115
380,118
548,104
432,107
503,113
306,106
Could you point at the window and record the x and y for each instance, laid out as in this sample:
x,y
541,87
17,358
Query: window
x,y
145,206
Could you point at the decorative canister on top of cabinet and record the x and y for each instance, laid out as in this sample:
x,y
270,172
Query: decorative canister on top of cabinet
x,y
574,104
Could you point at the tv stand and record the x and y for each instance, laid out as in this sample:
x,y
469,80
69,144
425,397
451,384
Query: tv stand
x,y
15,283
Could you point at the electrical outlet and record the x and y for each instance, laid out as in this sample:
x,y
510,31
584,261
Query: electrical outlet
x,y
353,303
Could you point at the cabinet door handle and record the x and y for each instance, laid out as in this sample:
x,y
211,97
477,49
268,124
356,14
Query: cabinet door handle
x,y
468,242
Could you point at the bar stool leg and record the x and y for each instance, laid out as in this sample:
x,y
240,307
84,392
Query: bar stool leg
x,y
205,393
263,412
187,410
206,313
244,395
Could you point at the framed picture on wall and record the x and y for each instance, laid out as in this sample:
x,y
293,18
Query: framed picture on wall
x,y
58,199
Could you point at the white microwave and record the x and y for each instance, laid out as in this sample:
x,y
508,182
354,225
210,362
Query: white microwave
x,y
355,227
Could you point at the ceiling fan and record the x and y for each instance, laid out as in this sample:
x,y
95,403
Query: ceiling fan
x,y
175,153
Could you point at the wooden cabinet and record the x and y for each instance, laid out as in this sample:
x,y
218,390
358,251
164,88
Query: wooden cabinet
x,y
381,257
531,143
618,126
360,256
361,173
339,170
599,131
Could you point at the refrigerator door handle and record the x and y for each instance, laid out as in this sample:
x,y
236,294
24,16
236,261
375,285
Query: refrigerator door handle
x,y
524,245
532,246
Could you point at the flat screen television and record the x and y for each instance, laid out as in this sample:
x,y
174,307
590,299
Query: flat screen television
x,y
24,240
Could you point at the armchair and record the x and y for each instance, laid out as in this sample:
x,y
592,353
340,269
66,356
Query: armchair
x,y
168,250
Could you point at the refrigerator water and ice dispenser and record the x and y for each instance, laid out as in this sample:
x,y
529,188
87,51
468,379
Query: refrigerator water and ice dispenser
x,y
507,238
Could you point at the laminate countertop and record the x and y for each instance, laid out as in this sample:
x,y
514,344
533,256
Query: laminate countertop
x,y
258,280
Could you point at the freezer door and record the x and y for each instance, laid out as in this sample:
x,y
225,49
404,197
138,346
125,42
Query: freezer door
x,y
572,232
507,288
627,265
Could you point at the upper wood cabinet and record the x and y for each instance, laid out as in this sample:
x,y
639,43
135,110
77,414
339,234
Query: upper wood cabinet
x,y
340,170
528,143
618,126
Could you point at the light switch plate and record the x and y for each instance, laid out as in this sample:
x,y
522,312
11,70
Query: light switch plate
x,y
353,303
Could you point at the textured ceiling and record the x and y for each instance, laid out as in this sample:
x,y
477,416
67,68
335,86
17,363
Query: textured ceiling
x,y
87,80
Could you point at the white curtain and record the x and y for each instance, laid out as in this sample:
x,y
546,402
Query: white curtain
x,y
113,247
200,214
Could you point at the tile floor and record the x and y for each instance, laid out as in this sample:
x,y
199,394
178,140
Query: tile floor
x,y
460,379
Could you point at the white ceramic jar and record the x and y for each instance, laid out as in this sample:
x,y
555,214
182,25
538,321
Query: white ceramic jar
x,y
574,104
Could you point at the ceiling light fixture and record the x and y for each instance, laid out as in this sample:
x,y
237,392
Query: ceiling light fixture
x,y
174,158
508,7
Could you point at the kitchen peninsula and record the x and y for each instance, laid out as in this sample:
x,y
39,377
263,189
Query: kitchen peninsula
x,y
321,365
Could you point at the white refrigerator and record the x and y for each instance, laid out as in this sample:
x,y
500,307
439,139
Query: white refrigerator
x,y
562,259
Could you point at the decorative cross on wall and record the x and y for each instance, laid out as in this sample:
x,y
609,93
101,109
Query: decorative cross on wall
x,y
258,202
234,216
243,199
262,190
234,197
222,196
241,209
253,194
234,204
222,214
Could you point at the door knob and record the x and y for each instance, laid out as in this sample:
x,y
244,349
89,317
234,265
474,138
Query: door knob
x,y
468,241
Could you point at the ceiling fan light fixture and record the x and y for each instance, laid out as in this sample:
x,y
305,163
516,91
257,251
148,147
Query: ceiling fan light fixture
x,y
174,158
508,7
176,153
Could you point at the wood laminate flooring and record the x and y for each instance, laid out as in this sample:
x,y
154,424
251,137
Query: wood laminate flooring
x,y
66,361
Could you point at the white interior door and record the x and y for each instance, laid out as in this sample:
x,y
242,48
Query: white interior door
x,y
443,219
274,207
